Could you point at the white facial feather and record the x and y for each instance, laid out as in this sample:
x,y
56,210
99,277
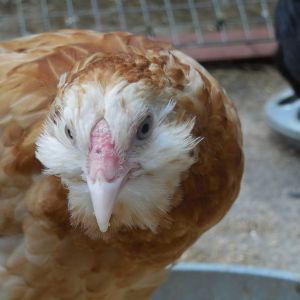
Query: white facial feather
x,y
164,156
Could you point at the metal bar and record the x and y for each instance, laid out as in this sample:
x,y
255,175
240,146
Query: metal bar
x,y
178,6
244,19
171,21
145,12
45,14
130,10
20,17
218,14
195,21
266,15
146,17
237,42
121,14
96,14
71,19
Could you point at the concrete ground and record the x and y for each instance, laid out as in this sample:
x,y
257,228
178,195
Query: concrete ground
x,y
263,226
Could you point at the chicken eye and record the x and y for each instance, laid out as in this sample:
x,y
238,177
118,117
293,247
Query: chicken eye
x,y
68,133
145,128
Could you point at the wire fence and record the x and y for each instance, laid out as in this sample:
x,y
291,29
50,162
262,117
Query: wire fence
x,y
188,24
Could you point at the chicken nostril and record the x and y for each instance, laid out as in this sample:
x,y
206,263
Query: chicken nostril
x,y
98,151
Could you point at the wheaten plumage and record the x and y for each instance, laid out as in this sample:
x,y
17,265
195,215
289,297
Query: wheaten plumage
x,y
179,180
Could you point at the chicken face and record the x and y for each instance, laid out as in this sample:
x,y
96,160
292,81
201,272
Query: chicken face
x,y
118,147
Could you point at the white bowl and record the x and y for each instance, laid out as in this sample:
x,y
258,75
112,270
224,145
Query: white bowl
x,y
283,115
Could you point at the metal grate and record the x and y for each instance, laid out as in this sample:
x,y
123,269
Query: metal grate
x,y
190,24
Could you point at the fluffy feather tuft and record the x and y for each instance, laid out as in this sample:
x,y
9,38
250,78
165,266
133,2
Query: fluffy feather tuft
x,y
163,157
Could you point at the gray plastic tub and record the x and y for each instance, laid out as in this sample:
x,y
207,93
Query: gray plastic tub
x,y
282,113
228,282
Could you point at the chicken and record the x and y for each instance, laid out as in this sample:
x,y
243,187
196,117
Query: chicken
x,y
117,153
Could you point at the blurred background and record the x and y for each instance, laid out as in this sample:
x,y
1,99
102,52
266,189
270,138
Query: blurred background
x,y
235,41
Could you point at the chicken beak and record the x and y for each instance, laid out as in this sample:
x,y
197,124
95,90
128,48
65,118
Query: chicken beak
x,y
103,195
105,174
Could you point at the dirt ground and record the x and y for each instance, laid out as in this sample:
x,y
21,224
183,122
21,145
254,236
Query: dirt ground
x,y
263,226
